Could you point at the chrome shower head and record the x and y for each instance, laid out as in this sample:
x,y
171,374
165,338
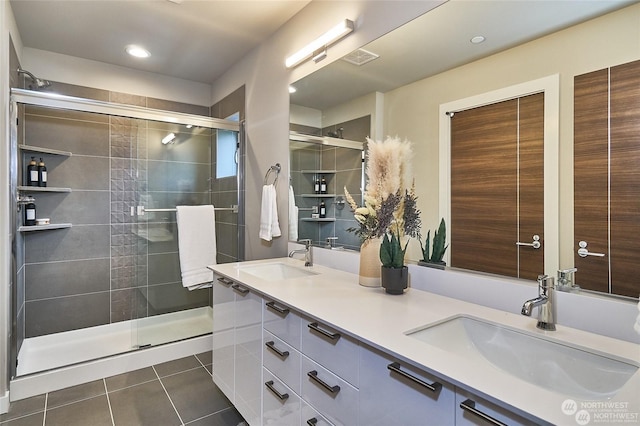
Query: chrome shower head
x,y
39,83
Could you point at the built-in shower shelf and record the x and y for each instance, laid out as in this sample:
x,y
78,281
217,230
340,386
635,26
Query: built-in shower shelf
x,y
42,189
44,150
314,219
319,171
44,227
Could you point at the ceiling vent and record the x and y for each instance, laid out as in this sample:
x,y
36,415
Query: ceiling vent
x,y
360,57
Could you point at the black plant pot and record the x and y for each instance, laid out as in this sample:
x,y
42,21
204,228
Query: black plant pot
x,y
394,280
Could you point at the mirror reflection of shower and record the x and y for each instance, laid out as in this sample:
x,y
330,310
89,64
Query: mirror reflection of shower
x,y
37,83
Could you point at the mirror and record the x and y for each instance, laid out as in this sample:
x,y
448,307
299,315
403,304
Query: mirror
x,y
430,62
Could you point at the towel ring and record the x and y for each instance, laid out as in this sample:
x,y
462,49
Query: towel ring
x,y
273,169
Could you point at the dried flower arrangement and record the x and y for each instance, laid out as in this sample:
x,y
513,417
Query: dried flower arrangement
x,y
390,208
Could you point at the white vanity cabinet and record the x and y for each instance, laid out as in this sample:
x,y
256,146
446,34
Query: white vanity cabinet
x,y
394,393
471,410
237,346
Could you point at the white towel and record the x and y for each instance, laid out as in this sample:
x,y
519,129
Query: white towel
x,y
636,326
269,226
196,244
293,216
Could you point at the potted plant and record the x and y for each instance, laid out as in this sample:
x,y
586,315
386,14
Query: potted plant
x,y
439,248
389,208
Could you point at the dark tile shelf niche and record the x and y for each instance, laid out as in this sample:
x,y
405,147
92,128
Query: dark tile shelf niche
x,y
30,148
42,189
44,227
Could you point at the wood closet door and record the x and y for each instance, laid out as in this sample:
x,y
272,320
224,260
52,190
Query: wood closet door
x,y
607,178
497,187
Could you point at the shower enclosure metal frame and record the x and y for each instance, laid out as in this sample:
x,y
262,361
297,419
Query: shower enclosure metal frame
x,y
52,100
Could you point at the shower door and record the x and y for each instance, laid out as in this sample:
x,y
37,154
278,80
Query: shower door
x,y
105,268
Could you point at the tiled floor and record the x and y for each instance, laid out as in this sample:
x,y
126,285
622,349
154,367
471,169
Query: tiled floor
x,y
179,392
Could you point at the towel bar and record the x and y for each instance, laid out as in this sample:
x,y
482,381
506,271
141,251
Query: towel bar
x,y
273,169
233,209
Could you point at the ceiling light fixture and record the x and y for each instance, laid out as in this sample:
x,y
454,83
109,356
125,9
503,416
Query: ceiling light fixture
x,y
477,39
169,138
137,51
292,89
317,48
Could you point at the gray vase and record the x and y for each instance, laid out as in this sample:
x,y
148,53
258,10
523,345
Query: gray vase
x,y
438,265
394,280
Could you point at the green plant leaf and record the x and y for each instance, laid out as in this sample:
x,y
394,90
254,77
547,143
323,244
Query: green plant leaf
x,y
439,241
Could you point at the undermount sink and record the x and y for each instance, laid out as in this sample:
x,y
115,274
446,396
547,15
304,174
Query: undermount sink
x,y
276,271
550,364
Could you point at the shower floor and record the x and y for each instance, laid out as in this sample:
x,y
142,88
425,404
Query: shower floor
x,y
60,349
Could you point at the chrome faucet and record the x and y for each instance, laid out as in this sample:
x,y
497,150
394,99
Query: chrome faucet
x,y
566,280
545,302
307,250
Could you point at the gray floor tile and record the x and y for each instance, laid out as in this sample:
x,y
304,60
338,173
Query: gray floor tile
x,y
131,378
194,394
94,412
30,420
177,366
205,357
228,417
75,393
24,407
141,405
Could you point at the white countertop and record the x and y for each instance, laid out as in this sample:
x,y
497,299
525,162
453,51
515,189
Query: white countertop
x,y
381,320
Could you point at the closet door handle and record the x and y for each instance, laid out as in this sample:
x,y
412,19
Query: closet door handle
x,y
583,251
281,396
282,311
225,281
315,327
535,244
314,376
433,387
312,421
282,354
470,406
243,291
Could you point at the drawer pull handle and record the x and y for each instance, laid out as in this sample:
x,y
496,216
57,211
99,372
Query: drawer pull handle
x,y
281,396
282,354
241,290
312,421
333,336
433,387
282,311
225,281
332,389
470,406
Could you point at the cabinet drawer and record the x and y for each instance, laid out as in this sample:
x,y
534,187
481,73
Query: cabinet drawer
x,y
480,412
393,393
283,323
280,404
311,417
282,360
331,349
334,398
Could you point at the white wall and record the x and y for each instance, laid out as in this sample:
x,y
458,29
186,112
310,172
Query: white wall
x,y
267,80
305,116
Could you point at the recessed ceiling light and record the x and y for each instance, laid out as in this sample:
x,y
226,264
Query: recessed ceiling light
x,y
477,39
292,89
137,51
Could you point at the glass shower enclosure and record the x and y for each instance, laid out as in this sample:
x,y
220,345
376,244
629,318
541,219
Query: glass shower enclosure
x,y
100,274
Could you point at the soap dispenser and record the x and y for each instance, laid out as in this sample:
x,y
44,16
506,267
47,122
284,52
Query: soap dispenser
x,y
42,173
32,173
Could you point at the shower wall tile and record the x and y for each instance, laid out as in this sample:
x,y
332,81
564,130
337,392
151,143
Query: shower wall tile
x,y
173,297
307,130
79,172
224,184
164,268
178,177
167,237
78,242
348,159
77,207
227,238
356,130
79,137
66,313
177,106
128,304
234,102
224,200
127,99
58,279
77,91
190,145
66,114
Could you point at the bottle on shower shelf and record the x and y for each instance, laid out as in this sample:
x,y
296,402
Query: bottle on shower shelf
x,y
323,186
32,173
42,173
323,210
316,186
30,213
